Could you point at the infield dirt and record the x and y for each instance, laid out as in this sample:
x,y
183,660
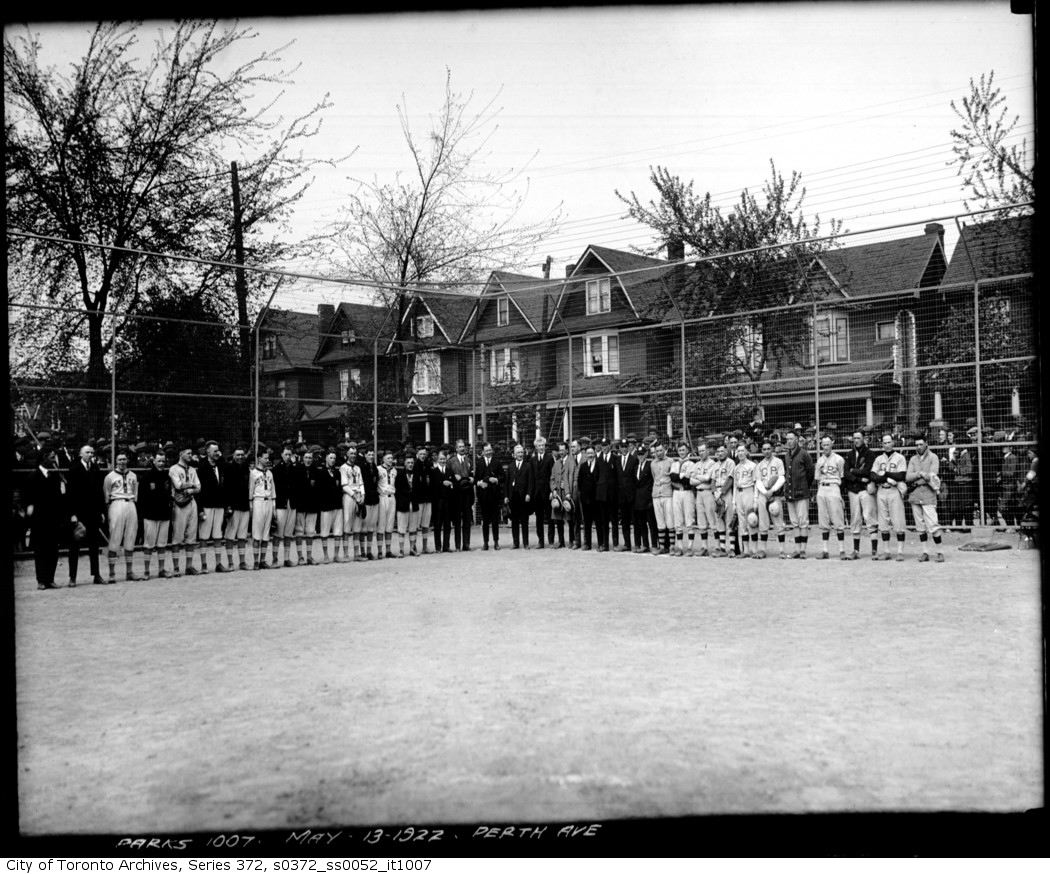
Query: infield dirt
x,y
529,686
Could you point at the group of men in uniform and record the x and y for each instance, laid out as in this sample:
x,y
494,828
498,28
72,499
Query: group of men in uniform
x,y
630,495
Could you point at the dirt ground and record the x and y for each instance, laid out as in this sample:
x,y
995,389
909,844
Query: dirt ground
x,y
529,686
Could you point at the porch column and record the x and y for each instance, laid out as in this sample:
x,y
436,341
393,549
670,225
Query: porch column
x,y
426,430
444,424
616,421
514,427
537,423
472,438
565,426
938,408
869,412
300,440
670,425
1015,402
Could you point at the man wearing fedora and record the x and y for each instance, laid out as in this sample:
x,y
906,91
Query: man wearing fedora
x,y
561,502
47,512
88,505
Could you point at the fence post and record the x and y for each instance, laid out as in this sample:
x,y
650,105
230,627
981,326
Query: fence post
x,y
685,425
977,369
569,407
816,371
113,402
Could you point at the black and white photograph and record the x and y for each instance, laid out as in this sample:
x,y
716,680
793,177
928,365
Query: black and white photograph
x,y
396,396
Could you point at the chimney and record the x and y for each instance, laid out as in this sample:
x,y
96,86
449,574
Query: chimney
x,y
325,314
935,228
675,250
569,269
547,268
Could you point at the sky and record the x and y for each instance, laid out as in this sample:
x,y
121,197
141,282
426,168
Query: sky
x,y
855,96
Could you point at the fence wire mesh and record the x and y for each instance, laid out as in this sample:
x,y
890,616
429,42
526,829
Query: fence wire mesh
x,y
884,332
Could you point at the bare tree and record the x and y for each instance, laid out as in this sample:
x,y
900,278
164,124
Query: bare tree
x,y
767,245
996,170
132,152
447,219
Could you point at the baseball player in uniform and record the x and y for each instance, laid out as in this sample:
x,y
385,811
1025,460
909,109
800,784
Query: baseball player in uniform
x,y
284,507
861,490
682,499
353,503
238,506
422,470
306,508
154,505
723,491
261,491
923,473
185,485
663,502
121,487
387,506
798,480
769,489
330,506
831,513
702,480
888,472
212,505
745,474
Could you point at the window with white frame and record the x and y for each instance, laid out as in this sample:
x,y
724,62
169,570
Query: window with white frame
x,y
424,326
426,378
269,346
282,389
602,354
349,338
748,352
599,296
503,311
344,384
504,366
355,376
829,338
885,332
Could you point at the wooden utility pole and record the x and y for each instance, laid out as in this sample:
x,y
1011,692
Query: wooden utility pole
x,y
240,283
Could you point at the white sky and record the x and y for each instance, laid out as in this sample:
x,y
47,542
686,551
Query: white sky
x,y
855,96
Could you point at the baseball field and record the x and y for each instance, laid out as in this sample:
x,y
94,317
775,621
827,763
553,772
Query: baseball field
x,y
529,686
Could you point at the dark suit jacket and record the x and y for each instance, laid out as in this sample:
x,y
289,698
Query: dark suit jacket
x,y
643,486
519,483
606,486
212,493
858,468
439,491
589,481
86,499
420,485
493,492
541,475
405,495
50,517
626,470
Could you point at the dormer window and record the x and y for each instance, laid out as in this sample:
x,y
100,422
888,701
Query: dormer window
x,y
269,347
599,296
424,326
503,311
348,338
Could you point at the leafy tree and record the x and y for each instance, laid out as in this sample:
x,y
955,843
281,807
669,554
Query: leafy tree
x,y
996,171
134,152
447,219
739,284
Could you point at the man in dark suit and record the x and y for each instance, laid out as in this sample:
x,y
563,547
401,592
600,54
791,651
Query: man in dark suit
x,y
488,476
442,500
570,468
626,473
542,463
462,508
47,514
519,489
643,500
88,503
589,476
605,495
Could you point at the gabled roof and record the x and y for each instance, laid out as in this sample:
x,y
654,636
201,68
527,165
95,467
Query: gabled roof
x,y
893,265
643,287
1001,247
452,312
297,340
532,296
365,320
